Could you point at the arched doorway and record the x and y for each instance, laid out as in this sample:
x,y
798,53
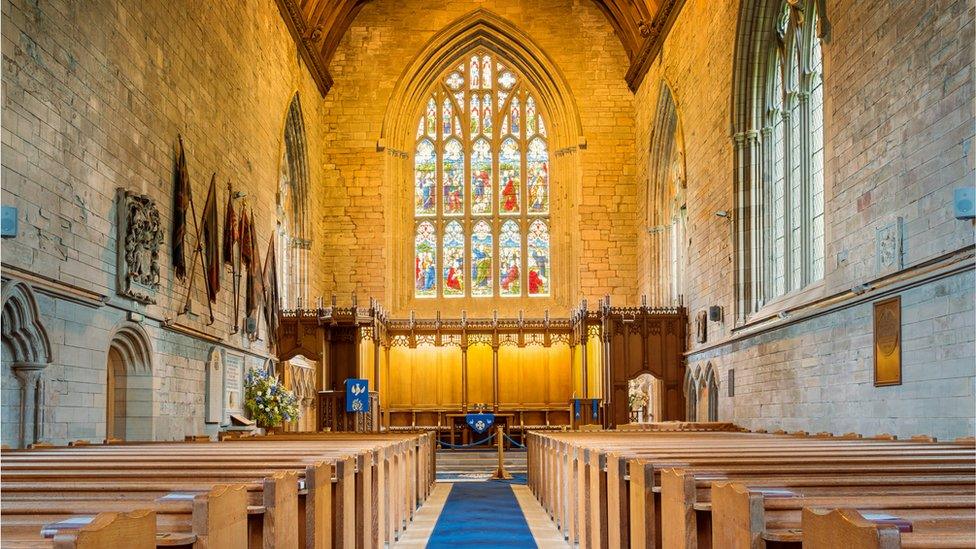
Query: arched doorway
x,y
647,389
129,396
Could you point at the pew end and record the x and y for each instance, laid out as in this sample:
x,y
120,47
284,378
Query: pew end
x,y
220,517
135,530
828,529
738,516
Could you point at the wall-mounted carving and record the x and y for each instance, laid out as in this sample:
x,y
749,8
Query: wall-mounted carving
x,y
889,246
701,327
139,237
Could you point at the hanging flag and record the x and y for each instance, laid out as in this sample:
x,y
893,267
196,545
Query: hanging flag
x,y
244,237
180,208
211,241
270,284
230,228
255,285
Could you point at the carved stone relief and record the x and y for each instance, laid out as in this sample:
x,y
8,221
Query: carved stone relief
x,y
140,234
889,247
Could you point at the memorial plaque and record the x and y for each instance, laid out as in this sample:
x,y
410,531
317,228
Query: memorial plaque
x,y
215,387
233,385
887,342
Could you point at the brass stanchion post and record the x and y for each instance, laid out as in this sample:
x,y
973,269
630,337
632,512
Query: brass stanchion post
x,y
501,473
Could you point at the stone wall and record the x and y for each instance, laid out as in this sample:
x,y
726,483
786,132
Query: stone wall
x,y
899,134
94,95
385,38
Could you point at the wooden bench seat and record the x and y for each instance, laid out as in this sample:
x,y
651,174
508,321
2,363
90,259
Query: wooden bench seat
x,y
322,493
606,489
848,528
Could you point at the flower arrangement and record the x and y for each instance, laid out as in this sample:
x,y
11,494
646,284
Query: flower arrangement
x,y
267,401
637,399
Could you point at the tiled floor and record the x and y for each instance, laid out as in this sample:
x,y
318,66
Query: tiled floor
x,y
543,529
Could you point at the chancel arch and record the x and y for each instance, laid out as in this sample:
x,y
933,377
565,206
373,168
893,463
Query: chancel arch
x,y
518,225
129,397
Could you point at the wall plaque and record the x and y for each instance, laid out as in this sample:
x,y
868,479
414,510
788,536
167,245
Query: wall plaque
x,y
887,342
233,385
215,387
140,234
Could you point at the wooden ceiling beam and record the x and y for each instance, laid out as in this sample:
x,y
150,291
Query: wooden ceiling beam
x,y
317,26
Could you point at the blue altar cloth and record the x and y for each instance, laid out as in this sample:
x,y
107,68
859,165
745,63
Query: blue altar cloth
x,y
480,423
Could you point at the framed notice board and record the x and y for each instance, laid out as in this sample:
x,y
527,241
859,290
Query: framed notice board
x,y
887,342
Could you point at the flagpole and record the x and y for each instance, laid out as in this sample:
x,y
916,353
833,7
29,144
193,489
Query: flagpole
x,y
235,262
193,267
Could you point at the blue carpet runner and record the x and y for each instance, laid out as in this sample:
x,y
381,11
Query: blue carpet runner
x,y
482,514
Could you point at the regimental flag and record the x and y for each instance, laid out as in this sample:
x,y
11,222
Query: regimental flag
x,y
230,228
244,237
180,209
211,241
255,283
270,283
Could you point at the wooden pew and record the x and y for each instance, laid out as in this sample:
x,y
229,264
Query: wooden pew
x,y
744,517
576,480
217,518
848,528
686,495
195,465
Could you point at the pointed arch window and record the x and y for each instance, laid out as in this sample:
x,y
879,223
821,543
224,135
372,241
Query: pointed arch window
x,y
792,216
481,186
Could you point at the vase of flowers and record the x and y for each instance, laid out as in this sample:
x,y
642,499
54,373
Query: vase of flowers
x,y
267,401
637,399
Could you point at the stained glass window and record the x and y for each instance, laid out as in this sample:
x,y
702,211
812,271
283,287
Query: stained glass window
x,y
453,260
538,258
510,260
481,186
481,253
425,256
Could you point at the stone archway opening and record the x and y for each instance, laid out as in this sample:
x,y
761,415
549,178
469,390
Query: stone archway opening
x,y
129,396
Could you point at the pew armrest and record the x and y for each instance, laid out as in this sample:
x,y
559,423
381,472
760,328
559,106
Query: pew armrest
x,y
824,529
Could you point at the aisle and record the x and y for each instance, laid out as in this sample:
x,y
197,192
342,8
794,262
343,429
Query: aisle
x,y
481,514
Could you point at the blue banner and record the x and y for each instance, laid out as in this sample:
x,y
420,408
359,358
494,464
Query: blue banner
x,y
480,423
357,395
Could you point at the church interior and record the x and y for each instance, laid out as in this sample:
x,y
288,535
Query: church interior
x,y
503,273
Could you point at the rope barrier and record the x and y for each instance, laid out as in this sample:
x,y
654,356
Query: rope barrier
x,y
515,444
468,445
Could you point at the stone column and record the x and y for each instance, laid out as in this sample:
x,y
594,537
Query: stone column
x,y
29,374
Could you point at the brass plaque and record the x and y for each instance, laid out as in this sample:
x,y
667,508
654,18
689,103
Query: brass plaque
x,y
887,342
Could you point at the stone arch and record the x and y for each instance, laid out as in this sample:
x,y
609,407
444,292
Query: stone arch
x,y
294,233
666,201
482,29
754,36
129,395
28,348
691,393
707,395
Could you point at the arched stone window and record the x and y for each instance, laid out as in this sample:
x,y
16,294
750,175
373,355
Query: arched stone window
x,y
666,203
293,235
510,188
779,140
481,186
